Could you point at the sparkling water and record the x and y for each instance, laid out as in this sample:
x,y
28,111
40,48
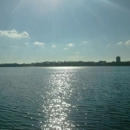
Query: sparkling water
x,y
63,98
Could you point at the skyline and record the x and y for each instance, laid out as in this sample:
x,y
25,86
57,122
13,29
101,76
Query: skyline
x,y
67,30
117,61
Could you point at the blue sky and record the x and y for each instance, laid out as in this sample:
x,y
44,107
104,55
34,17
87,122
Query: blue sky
x,y
64,30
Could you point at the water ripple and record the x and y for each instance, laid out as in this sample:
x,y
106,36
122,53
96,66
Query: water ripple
x,y
65,98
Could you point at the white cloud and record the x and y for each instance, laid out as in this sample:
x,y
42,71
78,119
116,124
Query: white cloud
x,y
70,45
85,42
65,48
13,34
127,43
108,45
77,52
120,43
53,46
39,44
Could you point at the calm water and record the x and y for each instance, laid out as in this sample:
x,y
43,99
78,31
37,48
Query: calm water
x,y
82,98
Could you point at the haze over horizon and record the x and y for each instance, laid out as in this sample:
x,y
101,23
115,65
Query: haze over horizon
x,y
64,30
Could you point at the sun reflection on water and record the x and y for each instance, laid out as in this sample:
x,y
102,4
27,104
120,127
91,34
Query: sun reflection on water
x,y
55,106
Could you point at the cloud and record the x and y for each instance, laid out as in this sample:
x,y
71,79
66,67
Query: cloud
x,y
85,42
39,44
70,45
65,48
127,43
53,46
77,52
13,34
120,43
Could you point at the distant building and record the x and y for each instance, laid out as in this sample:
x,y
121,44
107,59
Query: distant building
x,y
118,59
102,62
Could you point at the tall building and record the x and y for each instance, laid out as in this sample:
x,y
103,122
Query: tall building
x,y
118,59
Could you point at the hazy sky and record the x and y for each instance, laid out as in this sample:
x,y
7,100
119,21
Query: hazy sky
x,y
64,30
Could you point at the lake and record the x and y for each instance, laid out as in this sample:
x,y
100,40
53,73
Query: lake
x,y
65,98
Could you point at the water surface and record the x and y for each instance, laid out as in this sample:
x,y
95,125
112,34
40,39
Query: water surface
x,y
96,98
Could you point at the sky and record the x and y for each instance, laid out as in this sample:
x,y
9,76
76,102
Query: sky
x,y
64,30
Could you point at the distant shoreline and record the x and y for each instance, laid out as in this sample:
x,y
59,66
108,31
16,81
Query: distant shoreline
x,y
66,64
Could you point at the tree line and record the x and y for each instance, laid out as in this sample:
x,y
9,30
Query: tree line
x,y
65,63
